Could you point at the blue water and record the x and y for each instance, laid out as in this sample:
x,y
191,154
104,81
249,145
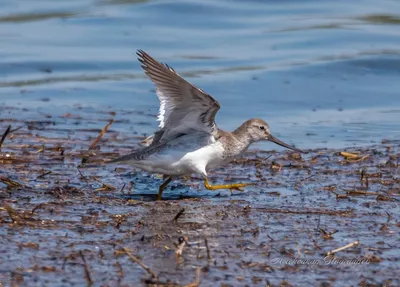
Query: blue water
x,y
321,73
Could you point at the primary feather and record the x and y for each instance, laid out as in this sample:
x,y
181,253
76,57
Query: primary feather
x,y
183,106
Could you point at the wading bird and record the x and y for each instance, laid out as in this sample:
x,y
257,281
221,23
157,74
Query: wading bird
x,y
188,140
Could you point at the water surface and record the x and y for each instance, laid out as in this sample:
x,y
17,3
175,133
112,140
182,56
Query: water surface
x,y
323,74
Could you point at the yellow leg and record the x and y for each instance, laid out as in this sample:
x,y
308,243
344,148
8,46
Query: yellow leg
x,y
231,186
162,187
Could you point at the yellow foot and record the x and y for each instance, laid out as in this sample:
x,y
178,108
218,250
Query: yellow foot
x,y
230,186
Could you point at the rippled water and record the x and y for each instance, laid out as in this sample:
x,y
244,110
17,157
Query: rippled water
x,y
322,73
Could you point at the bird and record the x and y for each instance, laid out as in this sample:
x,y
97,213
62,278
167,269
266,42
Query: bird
x,y
188,141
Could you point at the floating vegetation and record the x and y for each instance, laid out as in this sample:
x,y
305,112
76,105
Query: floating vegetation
x,y
333,211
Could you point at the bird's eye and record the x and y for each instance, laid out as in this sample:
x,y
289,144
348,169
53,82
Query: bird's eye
x,y
262,128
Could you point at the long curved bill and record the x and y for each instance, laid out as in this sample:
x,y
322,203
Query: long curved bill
x,y
281,143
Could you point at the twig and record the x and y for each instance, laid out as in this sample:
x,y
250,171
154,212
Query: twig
x,y
304,179
82,176
364,177
389,216
87,272
137,261
326,234
182,242
10,183
154,282
17,129
343,248
92,146
120,272
314,211
208,248
44,174
5,135
122,189
298,249
40,205
357,160
360,192
196,283
15,217
319,221
103,131
179,214
104,186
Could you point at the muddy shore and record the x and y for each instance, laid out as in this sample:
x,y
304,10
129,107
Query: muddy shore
x,y
64,223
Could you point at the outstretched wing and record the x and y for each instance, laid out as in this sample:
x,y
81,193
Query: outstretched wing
x,y
183,106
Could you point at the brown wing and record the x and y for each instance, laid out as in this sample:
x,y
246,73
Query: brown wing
x,y
183,106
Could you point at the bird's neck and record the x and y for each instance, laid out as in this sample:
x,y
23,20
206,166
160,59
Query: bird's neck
x,y
242,135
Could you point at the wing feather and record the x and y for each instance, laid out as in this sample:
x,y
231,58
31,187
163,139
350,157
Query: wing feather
x,y
183,106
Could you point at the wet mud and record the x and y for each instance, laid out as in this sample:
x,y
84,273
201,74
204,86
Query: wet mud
x,y
327,218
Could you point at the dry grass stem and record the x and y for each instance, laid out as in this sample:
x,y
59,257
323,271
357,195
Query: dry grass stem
x,y
343,248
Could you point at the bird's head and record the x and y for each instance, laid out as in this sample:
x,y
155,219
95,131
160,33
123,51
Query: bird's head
x,y
258,130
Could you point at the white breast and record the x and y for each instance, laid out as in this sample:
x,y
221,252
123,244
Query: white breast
x,y
192,153
208,157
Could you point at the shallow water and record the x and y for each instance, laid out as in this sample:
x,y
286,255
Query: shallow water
x,y
323,74
300,209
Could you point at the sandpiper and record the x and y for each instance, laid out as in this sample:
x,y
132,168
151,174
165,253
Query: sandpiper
x,y
188,140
